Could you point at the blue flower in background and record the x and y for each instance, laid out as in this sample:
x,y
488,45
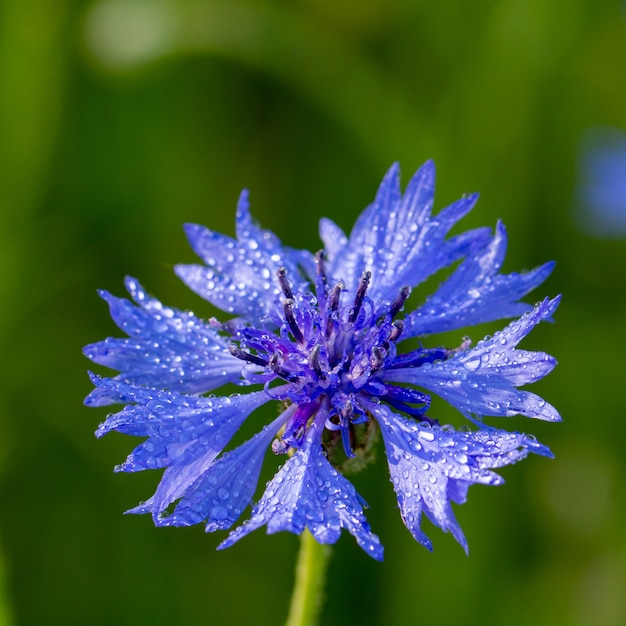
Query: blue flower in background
x,y
324,335
601,201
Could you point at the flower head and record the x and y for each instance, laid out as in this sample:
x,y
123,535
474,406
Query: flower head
x,y
601,198
324,335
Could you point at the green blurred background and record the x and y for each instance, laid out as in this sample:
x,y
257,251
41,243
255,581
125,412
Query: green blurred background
x,y
122,119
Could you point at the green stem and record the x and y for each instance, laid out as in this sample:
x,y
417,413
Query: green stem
x,y
306,602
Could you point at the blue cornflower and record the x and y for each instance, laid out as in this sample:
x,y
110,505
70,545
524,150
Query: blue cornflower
x,y
602,187
323,335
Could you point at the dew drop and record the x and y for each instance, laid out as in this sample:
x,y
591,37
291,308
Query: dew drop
x,y
218,513
472,364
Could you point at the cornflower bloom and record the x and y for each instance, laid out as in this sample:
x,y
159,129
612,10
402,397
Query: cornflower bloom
x,y
323,334
601,198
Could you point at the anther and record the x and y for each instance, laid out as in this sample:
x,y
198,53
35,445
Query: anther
x,y
360,295
281,371
291,320
396,331
246,356
399,301
377,358
316,364
333,305
284,283
335,295
319,266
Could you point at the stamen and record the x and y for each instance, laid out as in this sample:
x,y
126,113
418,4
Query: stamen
x,y
319,266
291,320
377,358
335,295
281,371
284,283
360,294
396,331
399,301
315,362
246,356
333,305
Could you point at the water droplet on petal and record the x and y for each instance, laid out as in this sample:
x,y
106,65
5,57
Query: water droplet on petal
x,y
472,364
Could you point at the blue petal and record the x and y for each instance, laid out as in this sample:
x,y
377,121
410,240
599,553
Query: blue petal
x,y
333,237
432,467
475,293
307,492
241,274
483,380
167,348
250,234
219,495
397,239
183,431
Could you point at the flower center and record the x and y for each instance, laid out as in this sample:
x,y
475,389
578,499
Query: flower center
x,y
329,352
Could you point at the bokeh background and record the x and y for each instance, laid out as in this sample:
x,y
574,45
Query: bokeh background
x,y
122,119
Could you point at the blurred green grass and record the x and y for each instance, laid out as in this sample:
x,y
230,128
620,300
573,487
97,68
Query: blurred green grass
x,y
122,119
